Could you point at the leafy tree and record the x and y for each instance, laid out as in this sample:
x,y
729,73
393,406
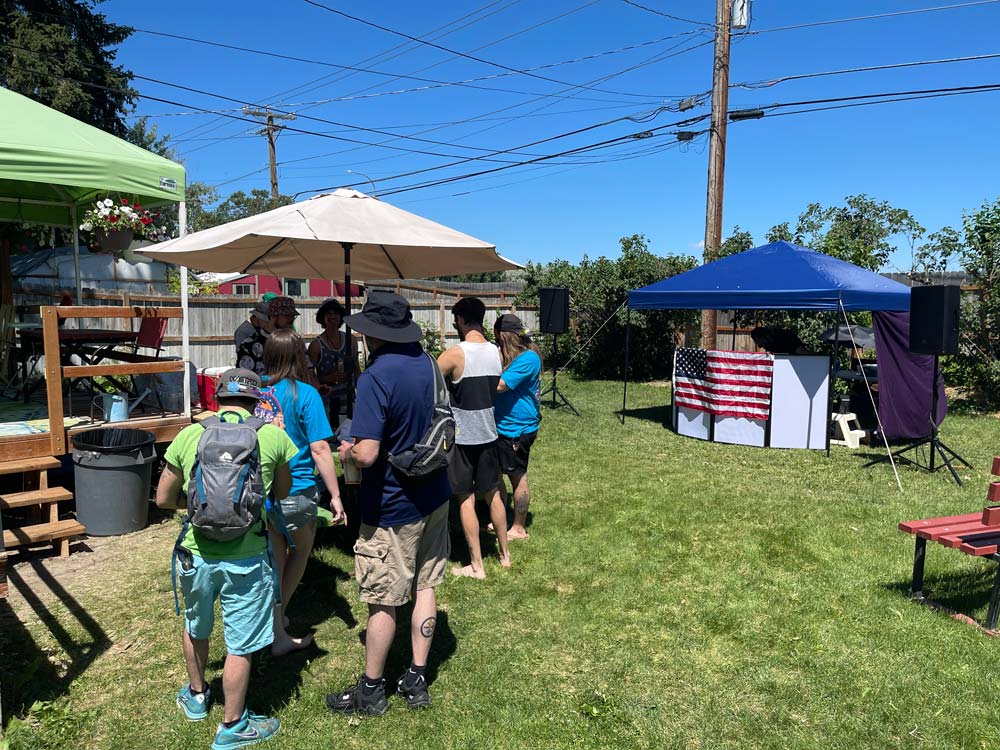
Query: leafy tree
x,y
486,277
240,205
50,50
598,289
859,232
737,242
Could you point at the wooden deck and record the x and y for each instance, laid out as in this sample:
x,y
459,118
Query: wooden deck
x,y
14,447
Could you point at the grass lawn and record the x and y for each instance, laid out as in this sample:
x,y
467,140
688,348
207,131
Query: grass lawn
x,y
673,594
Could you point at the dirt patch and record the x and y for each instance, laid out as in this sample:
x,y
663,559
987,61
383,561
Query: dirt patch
x,y
95,562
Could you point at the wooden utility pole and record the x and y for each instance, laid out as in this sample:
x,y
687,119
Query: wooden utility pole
x,y
270,130
717,154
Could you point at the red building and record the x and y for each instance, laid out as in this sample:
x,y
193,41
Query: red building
x,y
254,285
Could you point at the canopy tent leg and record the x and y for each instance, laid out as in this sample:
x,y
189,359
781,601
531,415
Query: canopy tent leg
x,y
734,330
628,336
185,328
831,406
76,257
351,364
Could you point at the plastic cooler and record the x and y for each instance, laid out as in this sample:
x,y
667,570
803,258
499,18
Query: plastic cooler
x,y
207,379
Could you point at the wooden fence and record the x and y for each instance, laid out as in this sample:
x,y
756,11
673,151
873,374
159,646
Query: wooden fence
x,y
213,320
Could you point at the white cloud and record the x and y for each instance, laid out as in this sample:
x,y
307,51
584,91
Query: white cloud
x,y
700,245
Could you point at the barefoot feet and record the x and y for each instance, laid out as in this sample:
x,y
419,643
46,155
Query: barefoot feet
x,y
504,560
469,572
517,532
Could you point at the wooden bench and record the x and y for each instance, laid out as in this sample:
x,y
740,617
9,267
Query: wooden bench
x,y
976,534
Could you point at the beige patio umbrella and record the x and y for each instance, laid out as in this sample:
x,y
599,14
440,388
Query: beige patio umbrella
x,y
340,235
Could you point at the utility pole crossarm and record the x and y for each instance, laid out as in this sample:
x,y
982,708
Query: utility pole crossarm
x,y
270,130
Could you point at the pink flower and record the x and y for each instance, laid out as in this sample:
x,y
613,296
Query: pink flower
x,y
146,221
136,206
112,218
124,201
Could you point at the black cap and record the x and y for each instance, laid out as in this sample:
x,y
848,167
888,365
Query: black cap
x,y
237,383
386,316
509,323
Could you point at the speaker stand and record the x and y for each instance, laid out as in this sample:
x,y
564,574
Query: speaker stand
x,y
557,395
937,446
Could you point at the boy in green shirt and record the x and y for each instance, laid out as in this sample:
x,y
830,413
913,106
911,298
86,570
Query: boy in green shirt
x,y
237,572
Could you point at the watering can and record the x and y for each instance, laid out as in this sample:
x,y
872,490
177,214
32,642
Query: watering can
x,y
116,407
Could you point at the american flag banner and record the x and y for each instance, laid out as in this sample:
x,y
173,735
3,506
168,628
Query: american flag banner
x,y
727,384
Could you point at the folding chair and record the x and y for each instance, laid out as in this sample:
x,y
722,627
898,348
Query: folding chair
x,y
151,334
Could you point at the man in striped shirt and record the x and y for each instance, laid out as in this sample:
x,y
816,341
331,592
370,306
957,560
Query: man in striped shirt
x,y
472,370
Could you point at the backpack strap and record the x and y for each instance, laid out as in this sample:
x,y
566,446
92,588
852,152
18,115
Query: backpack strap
x,y
440,387
255,422
173,563
211,421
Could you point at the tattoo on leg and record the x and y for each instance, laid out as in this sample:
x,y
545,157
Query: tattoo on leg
x,y
521,502
427,627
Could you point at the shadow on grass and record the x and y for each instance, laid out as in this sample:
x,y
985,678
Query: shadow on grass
x,y
658,414
443,647
27,672
965,592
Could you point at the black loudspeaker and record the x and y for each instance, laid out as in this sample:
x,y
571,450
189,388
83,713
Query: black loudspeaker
x,y
554,302
934,319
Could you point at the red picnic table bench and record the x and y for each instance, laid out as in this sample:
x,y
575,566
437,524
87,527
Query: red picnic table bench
x,y
976,534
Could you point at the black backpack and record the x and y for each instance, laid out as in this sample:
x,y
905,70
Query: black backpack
x,y
433,451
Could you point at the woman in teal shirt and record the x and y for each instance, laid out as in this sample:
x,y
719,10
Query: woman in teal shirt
x,y
517,412
300,411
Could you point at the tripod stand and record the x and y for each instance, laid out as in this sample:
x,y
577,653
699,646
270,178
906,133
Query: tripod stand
x,y
554,388
936,445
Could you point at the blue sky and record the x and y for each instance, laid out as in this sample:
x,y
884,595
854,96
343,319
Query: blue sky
x,y
934,157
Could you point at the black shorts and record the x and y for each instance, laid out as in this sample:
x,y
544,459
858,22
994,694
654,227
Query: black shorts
x,y
474,468
514,452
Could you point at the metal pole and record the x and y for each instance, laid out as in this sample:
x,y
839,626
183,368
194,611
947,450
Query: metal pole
x,y
716,154
76,256
347,329
185,330
628,336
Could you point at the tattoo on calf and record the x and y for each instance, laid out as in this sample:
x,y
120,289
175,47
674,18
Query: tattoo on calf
x,y
427,627
521,502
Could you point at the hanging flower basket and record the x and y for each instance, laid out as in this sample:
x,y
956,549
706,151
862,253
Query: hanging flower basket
x,y
112,226
113,241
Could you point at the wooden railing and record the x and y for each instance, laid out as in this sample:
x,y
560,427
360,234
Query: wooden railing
x,y
55,372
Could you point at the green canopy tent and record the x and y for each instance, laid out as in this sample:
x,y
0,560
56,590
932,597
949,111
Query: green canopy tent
x,y
53,167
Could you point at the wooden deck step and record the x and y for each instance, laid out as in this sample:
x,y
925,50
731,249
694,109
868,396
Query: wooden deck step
x,y
42,532
34,497
29,464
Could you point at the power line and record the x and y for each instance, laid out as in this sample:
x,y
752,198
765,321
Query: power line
x,y
783,79
465,55
893,14
399,50
634,4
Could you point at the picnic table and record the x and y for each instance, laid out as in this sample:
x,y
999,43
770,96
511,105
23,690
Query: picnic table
x,y
976,534
91,345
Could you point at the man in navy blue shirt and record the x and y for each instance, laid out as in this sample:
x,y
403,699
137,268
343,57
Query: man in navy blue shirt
x,y
404,544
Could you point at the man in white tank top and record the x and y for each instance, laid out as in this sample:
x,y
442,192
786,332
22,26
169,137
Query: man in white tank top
x,y
472,370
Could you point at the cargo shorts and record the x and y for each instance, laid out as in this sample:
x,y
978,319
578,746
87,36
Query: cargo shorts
x,y
392,564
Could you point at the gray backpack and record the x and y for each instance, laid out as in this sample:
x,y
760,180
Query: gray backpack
x,y
225,494
433,451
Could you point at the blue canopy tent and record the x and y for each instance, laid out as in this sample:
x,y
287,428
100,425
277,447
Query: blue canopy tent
x,y
778,276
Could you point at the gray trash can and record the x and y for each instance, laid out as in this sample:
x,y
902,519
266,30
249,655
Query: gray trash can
x,y
112,467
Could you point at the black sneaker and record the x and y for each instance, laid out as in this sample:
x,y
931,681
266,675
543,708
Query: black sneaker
x,y
414,689
357,700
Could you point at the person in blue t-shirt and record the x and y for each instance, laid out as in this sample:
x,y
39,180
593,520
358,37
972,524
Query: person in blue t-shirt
x,y
516,412
402,551
299,410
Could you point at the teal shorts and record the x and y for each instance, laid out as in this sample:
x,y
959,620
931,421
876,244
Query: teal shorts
x,y
244,588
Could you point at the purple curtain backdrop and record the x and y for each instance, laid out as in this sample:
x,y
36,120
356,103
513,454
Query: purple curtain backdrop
x,y
904,380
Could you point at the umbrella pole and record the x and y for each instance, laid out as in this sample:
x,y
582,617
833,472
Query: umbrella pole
x,y
628,335
185,320
351,364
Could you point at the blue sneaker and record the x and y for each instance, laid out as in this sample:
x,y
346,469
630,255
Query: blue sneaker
x,y
194,705
251,730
